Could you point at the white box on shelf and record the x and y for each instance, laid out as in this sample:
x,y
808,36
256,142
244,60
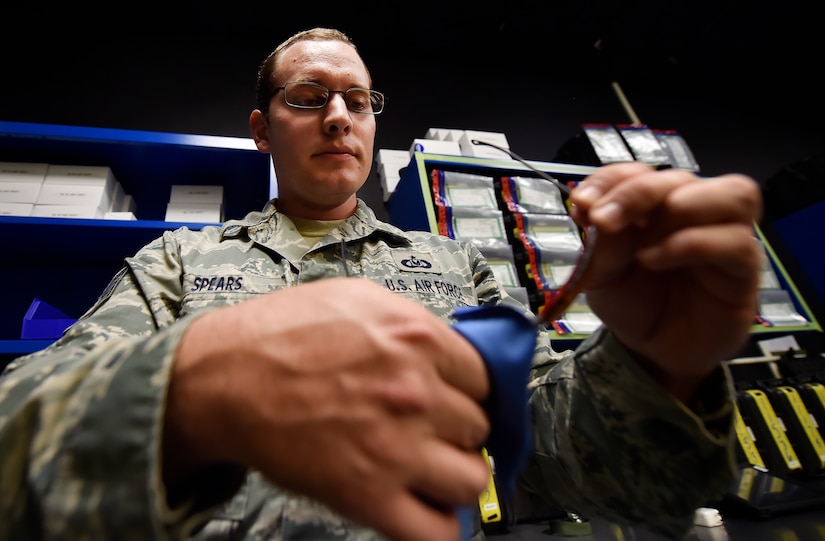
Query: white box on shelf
x,y
16,209
390,174
20,182
437,133
19,192
118,196
23,172
78,185
454,135
388,186
434,146
68,211
392,169
117,215
484,151
392,159
194,212
385,155
190,194
128,204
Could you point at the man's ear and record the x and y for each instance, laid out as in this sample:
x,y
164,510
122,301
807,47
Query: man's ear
x,y
258,126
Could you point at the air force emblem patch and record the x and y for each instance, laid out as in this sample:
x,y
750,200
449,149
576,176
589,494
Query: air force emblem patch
x,y
411,262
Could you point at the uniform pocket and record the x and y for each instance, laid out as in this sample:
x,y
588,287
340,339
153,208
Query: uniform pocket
x,y
212,290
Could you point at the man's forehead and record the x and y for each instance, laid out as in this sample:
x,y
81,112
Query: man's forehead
x,y
312,58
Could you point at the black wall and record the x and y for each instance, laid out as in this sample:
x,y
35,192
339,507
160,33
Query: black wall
x,y
740,84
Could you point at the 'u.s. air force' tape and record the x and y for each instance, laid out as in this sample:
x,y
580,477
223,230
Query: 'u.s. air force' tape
x,y
506,340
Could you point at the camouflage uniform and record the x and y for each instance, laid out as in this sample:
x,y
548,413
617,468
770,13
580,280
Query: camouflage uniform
x,y
80,422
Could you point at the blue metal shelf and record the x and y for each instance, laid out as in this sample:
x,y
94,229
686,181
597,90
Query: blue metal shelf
x,y
21,347
68,262
147,164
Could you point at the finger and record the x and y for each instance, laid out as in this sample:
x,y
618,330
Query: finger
x,y
406,517
603,180
460,420
448,476
730,248
462,365
729,198
633,200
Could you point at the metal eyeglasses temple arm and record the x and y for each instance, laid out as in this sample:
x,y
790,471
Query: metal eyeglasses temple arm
x,y
524,162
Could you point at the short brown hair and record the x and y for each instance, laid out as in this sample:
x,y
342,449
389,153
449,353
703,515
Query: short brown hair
x,y
266,73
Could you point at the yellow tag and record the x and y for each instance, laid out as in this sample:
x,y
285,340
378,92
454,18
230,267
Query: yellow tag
x,y
806,421
776,429
746,440
488,500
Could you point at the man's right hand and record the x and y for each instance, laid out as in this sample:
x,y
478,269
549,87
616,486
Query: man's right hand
x,y
341,391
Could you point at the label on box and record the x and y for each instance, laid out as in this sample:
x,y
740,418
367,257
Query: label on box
x,y
89,175
23,172
67,211
75,194
196,194
16,209
194,212
19,192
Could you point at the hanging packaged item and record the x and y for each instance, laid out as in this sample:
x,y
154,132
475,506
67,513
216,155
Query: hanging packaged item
x,y
677,149
551,232
483,227
546,248
526,195
776,309
457,189
545,272
578,318
467,209
500,258
644,145
607,143
501,261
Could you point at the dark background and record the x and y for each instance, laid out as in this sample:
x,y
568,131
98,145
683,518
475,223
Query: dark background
x,y
739,80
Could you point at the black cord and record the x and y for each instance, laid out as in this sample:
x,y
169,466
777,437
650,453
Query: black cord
x,y
524,162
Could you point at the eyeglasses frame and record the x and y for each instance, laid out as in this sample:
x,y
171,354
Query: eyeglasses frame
x,y
329,93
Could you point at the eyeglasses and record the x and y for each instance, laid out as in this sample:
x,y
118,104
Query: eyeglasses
x,y
307,95
556,301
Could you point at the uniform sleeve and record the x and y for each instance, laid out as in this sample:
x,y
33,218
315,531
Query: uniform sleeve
x,y
610,442
80,422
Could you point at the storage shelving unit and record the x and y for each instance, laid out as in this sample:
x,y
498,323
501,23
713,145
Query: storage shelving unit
x,y
411,207
68,262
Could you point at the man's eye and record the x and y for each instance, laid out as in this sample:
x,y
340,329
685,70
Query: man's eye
x,y
307,97
315,101
358,101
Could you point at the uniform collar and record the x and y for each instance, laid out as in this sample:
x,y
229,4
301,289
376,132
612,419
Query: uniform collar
x,y
260,225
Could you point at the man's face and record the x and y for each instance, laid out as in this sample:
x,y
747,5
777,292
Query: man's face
x,y
322,156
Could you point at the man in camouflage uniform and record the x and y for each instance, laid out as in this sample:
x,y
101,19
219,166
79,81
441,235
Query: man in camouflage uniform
x,y
289,376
